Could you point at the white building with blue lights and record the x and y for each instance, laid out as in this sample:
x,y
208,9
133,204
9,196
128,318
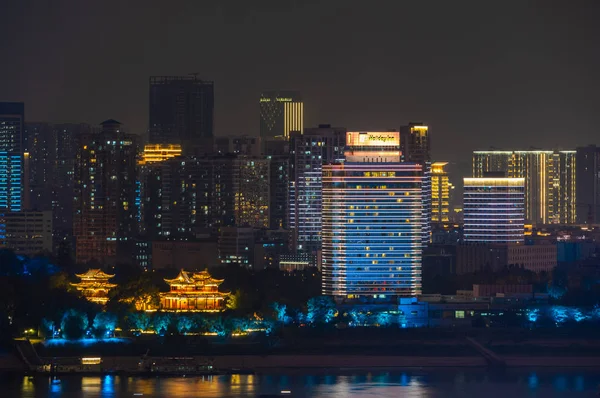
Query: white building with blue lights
x,y
372,221
494,210
12,147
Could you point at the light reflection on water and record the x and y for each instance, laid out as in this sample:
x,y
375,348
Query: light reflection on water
x,y
428,384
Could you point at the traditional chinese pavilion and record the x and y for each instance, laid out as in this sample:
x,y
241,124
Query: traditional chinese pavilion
x,y
197,292
94,285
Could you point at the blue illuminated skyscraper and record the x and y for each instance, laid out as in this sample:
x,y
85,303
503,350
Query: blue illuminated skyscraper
x,y
12,117
372,221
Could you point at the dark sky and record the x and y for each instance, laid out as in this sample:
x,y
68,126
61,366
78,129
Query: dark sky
x,y
481,73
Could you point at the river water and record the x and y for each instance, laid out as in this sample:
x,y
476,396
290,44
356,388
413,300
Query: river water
x,y
413,383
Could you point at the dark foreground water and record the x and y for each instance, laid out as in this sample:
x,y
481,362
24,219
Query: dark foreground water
x,y
416,383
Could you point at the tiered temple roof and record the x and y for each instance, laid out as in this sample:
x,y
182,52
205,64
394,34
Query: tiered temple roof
x,y
197,291
94,285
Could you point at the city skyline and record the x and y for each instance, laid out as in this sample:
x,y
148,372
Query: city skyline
x,y
466,90
299,198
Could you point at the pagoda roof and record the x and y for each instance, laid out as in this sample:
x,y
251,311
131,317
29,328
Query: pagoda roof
x,y
94,273
94,285
184,278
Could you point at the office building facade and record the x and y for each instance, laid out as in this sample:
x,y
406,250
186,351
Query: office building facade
x,y
588,184
440,194
372,221
550,184
27,233
12,145
494,210
184,197
182,112
308,152
281,112
415,147
105,213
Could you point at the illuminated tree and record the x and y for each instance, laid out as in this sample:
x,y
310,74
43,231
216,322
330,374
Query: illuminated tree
x,y
139,320
184,323
104,324
74,324
320,309
281,313
217,325
384,319
47,328
357,318
140,293
160,322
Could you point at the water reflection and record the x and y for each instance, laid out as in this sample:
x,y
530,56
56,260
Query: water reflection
x,y
432,384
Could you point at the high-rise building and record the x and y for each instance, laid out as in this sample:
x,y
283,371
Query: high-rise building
x,y
105,214
182,112
415,143
588,184
372,220
440,194
66,141
239,145
159,152
188,196
308,152
170,192
12,145
279,175
550,185
236,245
252,191
494,210
41,153
281,112
415,147
564,207
26,232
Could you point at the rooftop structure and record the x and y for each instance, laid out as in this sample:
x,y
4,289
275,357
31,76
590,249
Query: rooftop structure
x,y
193,292
94,285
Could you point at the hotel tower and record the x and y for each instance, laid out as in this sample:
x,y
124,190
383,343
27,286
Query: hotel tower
x,y
372,220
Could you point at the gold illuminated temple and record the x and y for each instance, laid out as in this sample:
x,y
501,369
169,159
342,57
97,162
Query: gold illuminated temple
x,y
198,292
94,285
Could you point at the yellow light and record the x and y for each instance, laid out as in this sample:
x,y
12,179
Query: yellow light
x,y
160,152
492,181
364,138
91,361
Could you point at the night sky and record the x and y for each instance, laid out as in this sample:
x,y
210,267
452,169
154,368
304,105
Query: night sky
x,y
480,73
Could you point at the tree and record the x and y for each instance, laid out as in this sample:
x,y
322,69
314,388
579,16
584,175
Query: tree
x,y
320,309
74,324
240,301
161,322
140,293
281,313
217,325
104,324
61,281
139,320
185,323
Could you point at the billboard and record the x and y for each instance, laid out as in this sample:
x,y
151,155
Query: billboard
x,y
379,139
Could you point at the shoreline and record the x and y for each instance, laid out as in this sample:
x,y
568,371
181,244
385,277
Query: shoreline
x,y
270,364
